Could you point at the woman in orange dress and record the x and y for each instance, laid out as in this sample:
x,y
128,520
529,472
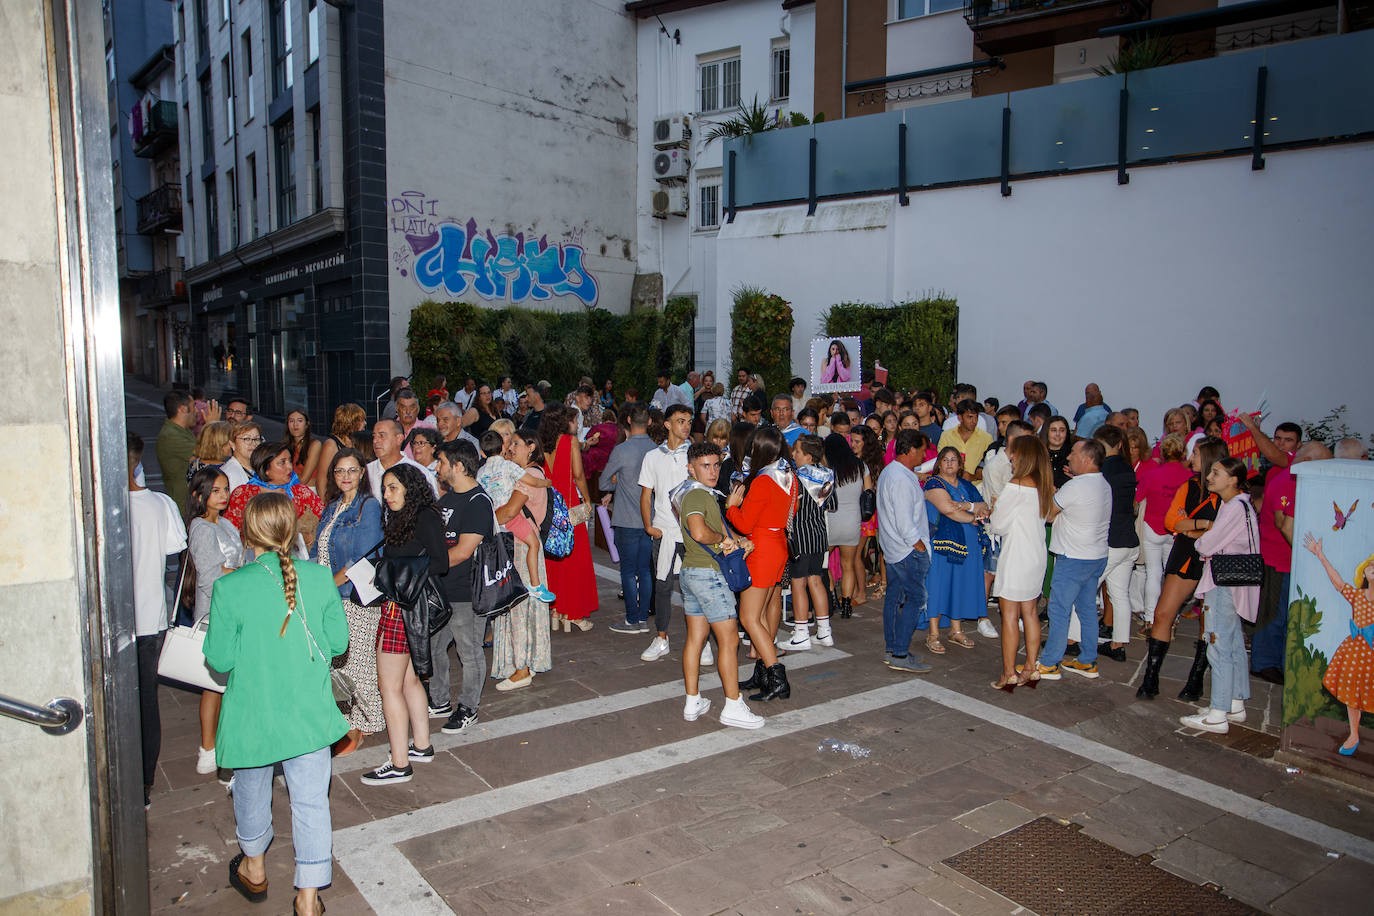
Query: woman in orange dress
x,y
761,508
570,578
1350,675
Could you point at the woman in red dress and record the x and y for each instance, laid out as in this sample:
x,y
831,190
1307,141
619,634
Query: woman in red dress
x,y
761,509
570,578
1350,674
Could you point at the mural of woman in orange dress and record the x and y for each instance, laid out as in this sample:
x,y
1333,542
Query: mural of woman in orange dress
x,y
1350,675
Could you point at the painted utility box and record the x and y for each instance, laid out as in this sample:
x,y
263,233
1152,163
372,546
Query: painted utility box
x,y
1330,660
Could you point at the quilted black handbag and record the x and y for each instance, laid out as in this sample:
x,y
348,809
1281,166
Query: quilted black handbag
x,y
1239,569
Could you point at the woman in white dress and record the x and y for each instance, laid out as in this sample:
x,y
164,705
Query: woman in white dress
x,y
1019,520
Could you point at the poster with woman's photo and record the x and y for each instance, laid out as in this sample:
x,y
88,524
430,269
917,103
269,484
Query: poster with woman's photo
x,y
834,364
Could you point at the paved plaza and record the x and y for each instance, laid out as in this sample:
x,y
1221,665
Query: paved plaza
x,y
588,793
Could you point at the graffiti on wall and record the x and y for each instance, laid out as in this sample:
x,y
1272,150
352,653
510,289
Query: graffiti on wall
x,y
444,254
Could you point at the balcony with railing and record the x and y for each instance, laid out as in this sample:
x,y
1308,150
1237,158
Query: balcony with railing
x,y
162,287
1007,26
1283,96
160,210
157,130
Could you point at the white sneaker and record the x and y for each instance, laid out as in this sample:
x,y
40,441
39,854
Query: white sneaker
x,y
1238,716
695,707
708,658
986,629
1211,720
657,649
738,714
205,761
828,640
800,641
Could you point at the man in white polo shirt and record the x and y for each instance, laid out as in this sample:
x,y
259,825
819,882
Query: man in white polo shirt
x,y
663,469
1081,513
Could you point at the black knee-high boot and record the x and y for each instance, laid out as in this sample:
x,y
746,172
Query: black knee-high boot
x,y
1149,684
1192,690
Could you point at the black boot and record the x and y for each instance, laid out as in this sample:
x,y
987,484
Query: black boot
x,y
1192,690
1149,684
846,608
758,680
775,684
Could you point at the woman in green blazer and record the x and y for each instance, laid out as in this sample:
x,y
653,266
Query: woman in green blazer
x,y
275,626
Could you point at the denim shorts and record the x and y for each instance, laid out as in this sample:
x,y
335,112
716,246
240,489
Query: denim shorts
x,y
705,594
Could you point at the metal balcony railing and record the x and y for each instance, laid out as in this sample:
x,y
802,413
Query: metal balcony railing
x,y
986,12
160,209
163,286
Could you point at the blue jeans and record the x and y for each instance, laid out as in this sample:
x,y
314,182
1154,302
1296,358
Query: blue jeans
x,y
636,572
1225,649
1269,644
1073,590
905,600
307,782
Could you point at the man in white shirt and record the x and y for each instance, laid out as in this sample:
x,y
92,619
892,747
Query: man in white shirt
x,y
464,397
155,533
243,438
904,536
386,445
663,469
507,395
1081,513
668,394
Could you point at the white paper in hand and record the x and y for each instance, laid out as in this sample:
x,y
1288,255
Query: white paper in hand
x,y
362,574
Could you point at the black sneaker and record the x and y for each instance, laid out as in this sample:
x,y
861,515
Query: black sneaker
x,y
224,775
460,720
386,774
422,756
440,712
624,626
1117,655
1071,650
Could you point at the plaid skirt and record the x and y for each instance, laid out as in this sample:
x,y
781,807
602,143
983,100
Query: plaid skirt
x,y
391,631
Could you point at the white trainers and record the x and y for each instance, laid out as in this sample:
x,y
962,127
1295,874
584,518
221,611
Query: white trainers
x,y
986,629
800,641
1237,714
657,649
828,640
708,658
695,707
1211,720
205,761
738,714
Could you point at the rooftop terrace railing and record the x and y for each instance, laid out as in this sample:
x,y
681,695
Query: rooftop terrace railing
x,y
1302,93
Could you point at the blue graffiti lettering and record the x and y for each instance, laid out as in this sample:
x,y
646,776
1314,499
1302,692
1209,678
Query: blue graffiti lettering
x,y
502,267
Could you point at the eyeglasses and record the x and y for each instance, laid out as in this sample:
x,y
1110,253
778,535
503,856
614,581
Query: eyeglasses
x,y
347,472
254,439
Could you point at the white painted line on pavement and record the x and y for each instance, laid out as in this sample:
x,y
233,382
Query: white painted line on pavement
x,y
611,574
1224,799
368,758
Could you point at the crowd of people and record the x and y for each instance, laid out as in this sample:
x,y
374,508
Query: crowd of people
x,y
771,516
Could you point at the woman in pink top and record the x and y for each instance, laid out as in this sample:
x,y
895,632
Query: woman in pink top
x,y
1156,489
1235,531
835,367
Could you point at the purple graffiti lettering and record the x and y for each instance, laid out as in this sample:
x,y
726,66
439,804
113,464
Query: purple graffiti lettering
x,y
506,267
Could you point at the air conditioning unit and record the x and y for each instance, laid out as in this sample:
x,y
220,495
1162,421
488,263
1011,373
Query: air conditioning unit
x,y
672,130
671,166
670,202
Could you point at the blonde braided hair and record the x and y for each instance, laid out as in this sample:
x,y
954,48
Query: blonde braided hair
x,y
269,523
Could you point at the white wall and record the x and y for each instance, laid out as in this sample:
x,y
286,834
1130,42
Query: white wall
x,y
676,246
1193,274
527,125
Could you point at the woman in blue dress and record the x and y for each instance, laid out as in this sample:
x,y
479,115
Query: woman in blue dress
x,y
955,588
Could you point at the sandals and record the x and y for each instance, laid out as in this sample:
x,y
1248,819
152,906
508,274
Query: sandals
x,y
1008,684
1029,676
253,893
582,623
961,640
319,911
935,646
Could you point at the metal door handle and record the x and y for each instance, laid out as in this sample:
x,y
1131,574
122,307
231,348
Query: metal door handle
x,y
59,717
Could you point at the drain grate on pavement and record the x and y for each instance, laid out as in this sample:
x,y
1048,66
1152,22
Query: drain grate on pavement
x,y
1055,870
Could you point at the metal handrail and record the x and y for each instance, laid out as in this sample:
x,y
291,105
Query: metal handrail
x,y
59,717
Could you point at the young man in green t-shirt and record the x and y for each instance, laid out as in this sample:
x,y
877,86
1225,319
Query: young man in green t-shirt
x,y
708,603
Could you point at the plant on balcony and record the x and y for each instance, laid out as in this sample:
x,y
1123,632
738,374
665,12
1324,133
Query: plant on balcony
x,y
754,118
1142,54
761,335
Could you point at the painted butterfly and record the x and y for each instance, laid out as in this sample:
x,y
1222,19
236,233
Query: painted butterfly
x,y
1343,517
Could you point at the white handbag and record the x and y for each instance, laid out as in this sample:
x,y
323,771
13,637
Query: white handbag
x,y
183,658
